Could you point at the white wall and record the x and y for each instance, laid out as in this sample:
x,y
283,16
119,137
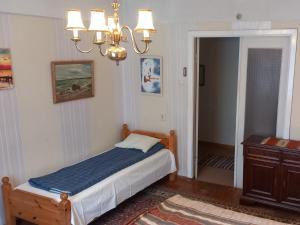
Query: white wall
x,y
174,18
37,136
46,127
177,18
148,110
218,97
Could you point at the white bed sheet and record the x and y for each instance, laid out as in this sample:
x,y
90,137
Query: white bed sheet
x,y
107,194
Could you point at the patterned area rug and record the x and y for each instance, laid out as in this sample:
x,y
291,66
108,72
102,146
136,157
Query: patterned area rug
x,y
217,161
142,202
131,208
184,211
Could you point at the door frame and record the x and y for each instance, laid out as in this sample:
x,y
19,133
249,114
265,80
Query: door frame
x,y
290,33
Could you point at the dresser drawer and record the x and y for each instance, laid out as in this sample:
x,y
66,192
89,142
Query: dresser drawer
x,y
262,153
291,157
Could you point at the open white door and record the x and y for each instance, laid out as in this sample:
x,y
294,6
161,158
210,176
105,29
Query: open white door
x,y
262,92
196,96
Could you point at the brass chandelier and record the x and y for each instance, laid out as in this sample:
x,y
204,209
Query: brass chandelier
x,y
111,33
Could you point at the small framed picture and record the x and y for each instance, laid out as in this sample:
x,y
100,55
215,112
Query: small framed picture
x,y
6,72
72,80
151,75
201,75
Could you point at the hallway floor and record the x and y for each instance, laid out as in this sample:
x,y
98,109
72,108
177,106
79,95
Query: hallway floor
x,y
216,163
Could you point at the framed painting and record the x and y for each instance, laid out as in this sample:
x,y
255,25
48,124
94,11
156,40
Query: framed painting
x,y
72,80
6,73
151,75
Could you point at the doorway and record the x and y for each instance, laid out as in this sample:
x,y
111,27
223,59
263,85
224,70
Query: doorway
x,y
247,50
218,78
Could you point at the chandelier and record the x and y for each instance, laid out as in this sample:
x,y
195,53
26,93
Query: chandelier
x,y
111,33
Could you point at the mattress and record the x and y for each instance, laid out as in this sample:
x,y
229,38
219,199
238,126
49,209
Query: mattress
x,y
80,176
107,194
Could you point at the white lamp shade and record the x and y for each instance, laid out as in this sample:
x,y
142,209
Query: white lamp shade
x,y
145,21
98,21
75,20
112,25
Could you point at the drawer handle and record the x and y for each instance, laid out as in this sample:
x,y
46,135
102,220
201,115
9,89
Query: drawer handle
x,y
34,218
19,213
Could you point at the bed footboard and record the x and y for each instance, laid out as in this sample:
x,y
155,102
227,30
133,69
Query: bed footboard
x,y
34,208
41,210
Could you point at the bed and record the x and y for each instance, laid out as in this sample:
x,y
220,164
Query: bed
x,y
42,207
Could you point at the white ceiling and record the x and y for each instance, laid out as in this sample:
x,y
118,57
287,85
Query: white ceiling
x,y
50,8
165,10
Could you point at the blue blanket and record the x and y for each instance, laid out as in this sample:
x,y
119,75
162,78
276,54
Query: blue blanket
x,y
74,179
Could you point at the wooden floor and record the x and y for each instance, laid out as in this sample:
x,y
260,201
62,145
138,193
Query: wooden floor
x,y
228,195
215,191
210,174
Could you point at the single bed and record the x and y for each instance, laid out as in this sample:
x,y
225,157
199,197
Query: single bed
x,y
42,207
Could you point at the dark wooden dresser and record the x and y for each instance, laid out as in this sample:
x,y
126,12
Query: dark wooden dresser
x,y
271,174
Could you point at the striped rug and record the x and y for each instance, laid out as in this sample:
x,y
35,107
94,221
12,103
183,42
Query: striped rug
x,y
179,210
217,161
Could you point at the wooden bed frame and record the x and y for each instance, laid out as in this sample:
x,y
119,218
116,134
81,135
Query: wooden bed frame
x,y
46,211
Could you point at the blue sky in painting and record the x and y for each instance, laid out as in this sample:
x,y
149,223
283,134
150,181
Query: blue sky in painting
x,y
73,71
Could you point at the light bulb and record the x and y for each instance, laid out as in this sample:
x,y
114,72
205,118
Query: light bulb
x,y
98,37
146,34
75,34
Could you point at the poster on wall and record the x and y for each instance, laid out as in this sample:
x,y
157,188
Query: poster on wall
x,y
6,73
151,75
72,80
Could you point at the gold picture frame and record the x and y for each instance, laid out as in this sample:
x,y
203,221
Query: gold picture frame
x,y
72,80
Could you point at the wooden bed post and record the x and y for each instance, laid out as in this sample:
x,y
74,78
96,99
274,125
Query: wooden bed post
x,y
173,148
40,209
6,190
125,131
65,205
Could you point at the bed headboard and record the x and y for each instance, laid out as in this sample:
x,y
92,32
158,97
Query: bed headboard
x,y
169,140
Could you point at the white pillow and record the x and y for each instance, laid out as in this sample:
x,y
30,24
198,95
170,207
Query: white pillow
x,y
138,141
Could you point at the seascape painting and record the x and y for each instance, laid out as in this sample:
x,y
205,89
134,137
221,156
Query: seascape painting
x,y
151,75
72,80
6,74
